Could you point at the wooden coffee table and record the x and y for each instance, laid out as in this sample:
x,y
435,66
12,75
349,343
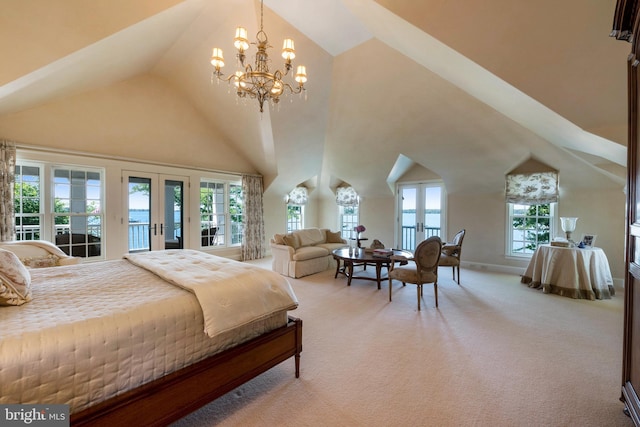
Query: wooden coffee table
x,y
361,257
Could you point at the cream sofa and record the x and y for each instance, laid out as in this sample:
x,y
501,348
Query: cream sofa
x,y
304,252
39,253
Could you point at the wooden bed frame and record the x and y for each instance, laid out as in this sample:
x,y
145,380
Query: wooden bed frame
x,y
170,398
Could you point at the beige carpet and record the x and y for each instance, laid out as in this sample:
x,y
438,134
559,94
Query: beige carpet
x,y
495,353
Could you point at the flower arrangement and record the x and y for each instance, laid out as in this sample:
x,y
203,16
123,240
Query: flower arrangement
x,y
360,229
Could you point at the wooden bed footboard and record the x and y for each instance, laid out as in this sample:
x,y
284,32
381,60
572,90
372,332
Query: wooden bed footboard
x,y
170,398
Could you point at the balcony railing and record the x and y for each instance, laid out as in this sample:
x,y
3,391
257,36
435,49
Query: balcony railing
x,y
408,241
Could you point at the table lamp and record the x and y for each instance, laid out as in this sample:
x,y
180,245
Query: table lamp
x,y
568,225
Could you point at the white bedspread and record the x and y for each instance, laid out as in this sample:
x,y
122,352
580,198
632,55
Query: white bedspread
x,y
95,330
225,289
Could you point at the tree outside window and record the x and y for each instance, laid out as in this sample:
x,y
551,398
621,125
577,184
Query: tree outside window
x,y
295,216
530,226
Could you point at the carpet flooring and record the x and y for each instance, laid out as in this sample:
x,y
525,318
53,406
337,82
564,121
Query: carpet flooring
x,y
494,353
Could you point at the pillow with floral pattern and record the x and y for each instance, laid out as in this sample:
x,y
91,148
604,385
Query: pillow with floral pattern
x,y
15,280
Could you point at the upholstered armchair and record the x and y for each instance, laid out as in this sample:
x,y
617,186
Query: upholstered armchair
x,y
451,254
423,269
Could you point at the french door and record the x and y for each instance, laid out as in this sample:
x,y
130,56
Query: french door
x,y
155,206
420,213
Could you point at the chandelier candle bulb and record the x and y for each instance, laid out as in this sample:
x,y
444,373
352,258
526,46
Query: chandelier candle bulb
x,y
217,60
241,42
288,50
301,74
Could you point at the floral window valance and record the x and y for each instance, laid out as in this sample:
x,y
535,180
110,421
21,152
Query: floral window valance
x,y
298,196
347,196
533,188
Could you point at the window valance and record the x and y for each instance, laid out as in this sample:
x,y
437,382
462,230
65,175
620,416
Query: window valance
x,y
533,188
347,196
298,196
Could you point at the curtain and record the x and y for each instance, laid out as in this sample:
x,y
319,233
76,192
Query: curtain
x,y
533,188
298,196
253,218
7,179
346,196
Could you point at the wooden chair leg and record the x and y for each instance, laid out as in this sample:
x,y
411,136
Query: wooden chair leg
x,y
435,292
458,268
390,289
419,295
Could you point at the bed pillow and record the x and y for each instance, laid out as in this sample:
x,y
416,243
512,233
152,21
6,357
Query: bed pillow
x,y
334,237
15,280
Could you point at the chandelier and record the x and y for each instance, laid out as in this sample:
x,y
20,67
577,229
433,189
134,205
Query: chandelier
x,y
257,82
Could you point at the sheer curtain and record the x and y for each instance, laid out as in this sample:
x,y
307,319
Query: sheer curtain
x,y
253,219
7,179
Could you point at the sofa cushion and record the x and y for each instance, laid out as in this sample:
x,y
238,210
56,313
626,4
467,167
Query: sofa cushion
x,y
309,252
310,236
292,240
334,237
332,246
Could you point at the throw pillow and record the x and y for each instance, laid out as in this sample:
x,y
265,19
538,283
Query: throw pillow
x,y
278,239
291,240
40,262
15,280
334,237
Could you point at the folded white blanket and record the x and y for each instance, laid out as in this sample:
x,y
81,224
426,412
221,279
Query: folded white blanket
x,y
230,293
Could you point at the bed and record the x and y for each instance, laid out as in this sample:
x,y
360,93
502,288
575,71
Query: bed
x,y
150,337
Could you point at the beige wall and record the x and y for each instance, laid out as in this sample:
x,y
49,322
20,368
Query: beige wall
x,y
146,118
143,118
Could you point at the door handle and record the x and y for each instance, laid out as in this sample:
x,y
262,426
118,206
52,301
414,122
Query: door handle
x,y
161,229
154,229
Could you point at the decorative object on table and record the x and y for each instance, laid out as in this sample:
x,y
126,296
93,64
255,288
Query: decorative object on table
x,y
560,242
588,240
359,229
353,247
377,244
382,252
568,225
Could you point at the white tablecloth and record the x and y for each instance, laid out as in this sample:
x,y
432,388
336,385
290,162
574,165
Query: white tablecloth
x,y
570,272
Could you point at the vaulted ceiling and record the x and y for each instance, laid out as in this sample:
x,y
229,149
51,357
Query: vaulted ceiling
x,y
466,89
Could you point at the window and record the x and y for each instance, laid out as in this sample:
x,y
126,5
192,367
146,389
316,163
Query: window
x,y
348,221
529,226
77,210
73,213
27,198
221,213
295,218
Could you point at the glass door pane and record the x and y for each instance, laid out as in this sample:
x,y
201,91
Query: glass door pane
x,y
408,218
173,214
155,208
140,210
421,213
432,222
